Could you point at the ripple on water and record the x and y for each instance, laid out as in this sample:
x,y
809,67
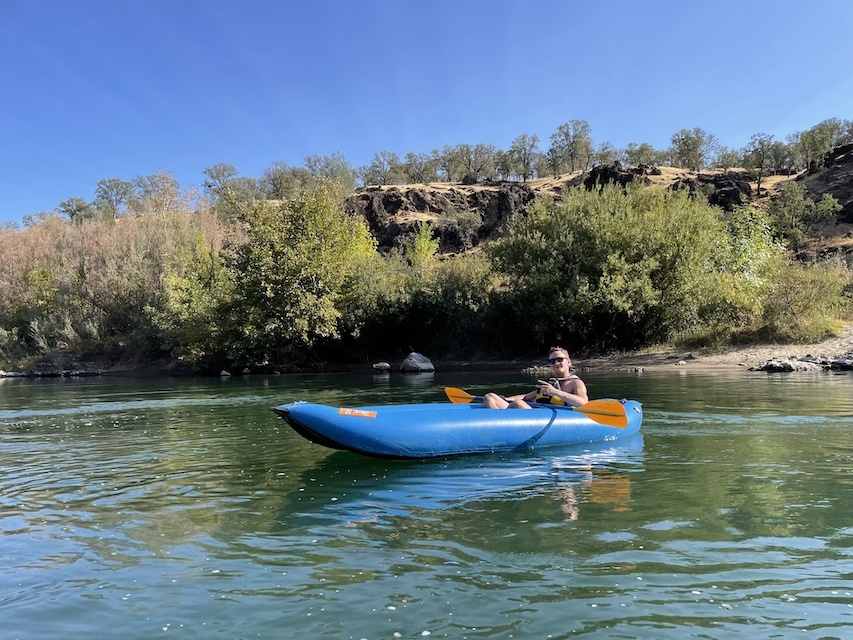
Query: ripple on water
x,y
203,514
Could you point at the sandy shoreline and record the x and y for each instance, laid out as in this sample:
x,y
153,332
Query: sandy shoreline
x,y
740,358
745,357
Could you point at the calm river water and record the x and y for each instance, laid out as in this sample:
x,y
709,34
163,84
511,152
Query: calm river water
x,y
178,508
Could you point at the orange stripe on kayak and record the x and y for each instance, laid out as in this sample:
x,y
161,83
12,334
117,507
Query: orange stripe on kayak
x,y
358,413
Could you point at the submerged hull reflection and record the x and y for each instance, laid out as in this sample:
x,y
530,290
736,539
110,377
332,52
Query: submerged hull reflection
x,y
348,488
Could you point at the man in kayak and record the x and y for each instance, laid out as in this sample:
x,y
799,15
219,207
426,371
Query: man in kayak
x,y
563,389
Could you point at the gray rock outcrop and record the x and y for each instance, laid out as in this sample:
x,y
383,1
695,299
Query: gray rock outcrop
x,y
416,363
843,362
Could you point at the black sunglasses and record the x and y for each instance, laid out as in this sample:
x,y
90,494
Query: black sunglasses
x,y
555,360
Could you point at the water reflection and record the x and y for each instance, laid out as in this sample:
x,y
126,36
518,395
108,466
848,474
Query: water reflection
x,y
607,487
346,488
382,379
425,379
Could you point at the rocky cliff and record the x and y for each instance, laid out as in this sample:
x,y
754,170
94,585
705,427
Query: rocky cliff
x,y
392,212
466,215
834,178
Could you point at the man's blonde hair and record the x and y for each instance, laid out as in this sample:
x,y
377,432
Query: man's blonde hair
x,y
553,349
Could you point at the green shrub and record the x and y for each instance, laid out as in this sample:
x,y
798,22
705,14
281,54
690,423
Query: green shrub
x,y
807,302
292,276
624,268
458,229
792,213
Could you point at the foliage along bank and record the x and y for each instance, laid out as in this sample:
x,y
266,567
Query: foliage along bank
x,y
298,282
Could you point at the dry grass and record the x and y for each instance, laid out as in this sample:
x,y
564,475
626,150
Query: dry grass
x,y
554,184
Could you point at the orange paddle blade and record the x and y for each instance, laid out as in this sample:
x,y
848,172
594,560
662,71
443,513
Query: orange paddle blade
x,y
609,412
458,396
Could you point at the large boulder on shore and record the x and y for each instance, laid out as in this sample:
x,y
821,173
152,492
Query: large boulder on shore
x,y
416,363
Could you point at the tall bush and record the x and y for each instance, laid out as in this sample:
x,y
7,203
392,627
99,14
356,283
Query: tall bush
x,y
793,213
91,287
807,302
292,276
197,287
617,269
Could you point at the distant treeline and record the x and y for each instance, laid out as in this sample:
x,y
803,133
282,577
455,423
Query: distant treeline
x,y
571,149
280,283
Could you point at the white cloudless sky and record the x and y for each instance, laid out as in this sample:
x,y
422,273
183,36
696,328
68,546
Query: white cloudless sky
x,y
95,89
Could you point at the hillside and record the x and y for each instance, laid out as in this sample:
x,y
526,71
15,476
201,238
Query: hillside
x,y
392,211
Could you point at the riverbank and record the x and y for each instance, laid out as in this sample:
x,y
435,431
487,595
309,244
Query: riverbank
x,y
752,356
747,357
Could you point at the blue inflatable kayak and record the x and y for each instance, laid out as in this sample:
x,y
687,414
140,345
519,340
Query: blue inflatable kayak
x,y
430,430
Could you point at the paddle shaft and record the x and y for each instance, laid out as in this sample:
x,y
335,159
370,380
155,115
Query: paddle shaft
x,y
609,412
531,403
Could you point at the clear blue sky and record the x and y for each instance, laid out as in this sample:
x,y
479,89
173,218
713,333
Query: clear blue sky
x,y
96,89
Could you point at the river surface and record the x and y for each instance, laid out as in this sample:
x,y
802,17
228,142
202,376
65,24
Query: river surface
x,y
184,508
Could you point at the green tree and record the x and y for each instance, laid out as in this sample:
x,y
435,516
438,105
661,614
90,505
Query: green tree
x,y
637,154
812,146
477,161
524,152
604,154
692,148
335,168
448,163
421,247
504,165
371,311
464,284
219,180
757,156
822,138
280,181
781,158
550,163
76,209
31,315
385,168
420,168
571,145
742,278
229,193
799,159
197,290
845,133
293,275
446,306
727,159
807,302
112,196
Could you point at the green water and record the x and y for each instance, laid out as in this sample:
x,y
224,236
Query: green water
x,y
178,508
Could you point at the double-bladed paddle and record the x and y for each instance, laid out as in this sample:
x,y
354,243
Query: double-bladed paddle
x,y
608,412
